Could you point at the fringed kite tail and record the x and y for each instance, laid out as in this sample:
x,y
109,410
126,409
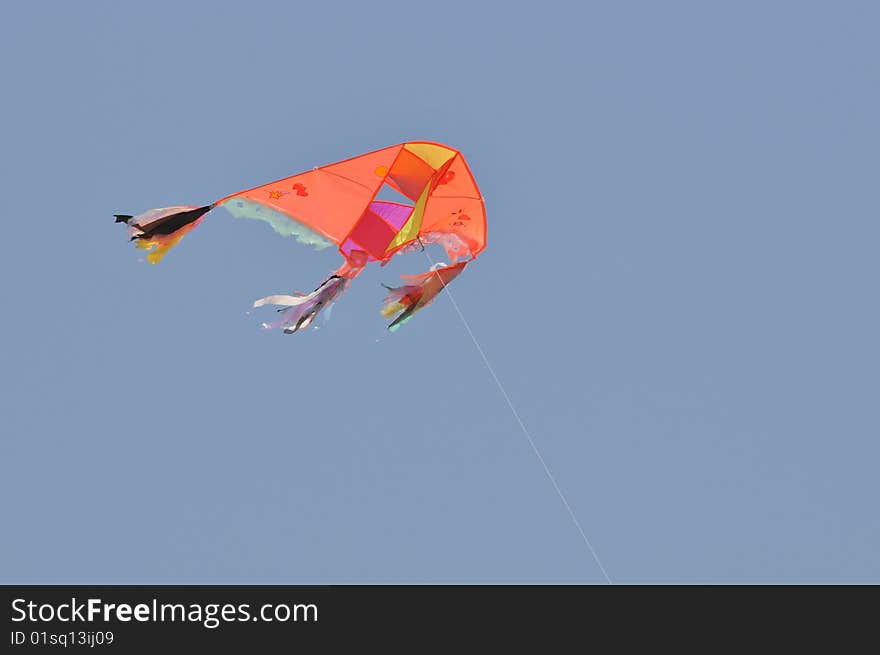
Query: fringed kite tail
x,y
406,300
159,230
298,311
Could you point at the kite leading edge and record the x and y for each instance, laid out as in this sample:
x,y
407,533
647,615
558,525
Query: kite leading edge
x,y
339,204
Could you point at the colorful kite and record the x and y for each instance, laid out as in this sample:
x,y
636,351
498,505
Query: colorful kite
x,y
338,204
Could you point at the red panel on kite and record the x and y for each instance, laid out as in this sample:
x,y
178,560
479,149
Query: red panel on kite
x,y
409,174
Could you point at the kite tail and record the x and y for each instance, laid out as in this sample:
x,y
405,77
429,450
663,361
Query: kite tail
x,y
159,230
406,300
298,311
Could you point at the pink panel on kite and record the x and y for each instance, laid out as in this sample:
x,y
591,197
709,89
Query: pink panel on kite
x,y
348,246
394,213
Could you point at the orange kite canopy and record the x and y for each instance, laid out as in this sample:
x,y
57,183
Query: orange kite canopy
x,y
348,203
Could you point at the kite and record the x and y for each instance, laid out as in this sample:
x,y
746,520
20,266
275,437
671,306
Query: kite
x,y
339,204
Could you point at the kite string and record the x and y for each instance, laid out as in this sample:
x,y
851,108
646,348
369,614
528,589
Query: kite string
x,y
523,427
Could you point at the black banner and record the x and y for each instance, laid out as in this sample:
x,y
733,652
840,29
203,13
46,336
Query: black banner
x,y
417,618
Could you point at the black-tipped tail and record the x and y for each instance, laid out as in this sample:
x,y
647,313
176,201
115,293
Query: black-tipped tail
x,y
173,222
159,230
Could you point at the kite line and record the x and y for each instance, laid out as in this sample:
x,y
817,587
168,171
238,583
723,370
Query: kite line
x,y
365,230
525,431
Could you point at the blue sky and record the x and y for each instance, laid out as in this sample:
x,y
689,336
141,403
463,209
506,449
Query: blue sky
x,y
679,296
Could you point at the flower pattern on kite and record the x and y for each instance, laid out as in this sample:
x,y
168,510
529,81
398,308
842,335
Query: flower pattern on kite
x,y
339,204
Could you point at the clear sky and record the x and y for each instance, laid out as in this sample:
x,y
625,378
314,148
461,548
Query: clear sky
x,y
679,295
